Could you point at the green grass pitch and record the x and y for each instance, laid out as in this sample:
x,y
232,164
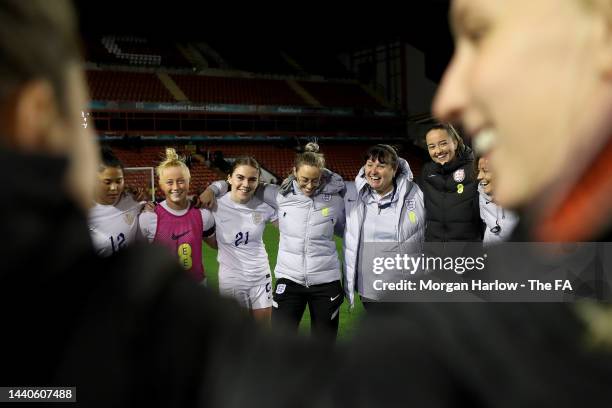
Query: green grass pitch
x,y
348,320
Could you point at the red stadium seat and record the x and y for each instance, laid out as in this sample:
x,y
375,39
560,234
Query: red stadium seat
x,y
127,86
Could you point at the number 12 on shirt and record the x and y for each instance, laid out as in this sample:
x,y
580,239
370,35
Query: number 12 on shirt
x,y
120,242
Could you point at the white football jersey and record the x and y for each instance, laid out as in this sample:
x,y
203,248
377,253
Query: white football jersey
x,y
242,256
113,227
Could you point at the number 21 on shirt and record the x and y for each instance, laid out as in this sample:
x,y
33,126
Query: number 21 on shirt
x,y
242,238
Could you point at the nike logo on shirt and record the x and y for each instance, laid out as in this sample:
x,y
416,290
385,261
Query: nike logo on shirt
x,y
175,237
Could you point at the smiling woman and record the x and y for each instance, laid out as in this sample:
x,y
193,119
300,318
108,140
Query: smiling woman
x,y
113,219
240,219
500,222
383,205
175,224
450,188
311,209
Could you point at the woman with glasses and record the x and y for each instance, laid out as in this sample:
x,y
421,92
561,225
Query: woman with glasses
x,y
310,209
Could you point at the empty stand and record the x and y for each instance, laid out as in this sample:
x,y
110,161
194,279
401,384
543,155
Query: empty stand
x,y
127,86
147,87
225,90
339,94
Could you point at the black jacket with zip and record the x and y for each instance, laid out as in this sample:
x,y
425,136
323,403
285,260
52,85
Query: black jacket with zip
x,y
451,200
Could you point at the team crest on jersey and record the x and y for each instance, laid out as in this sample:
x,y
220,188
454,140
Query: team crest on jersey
x,y
280,288
129,218
411,204
257,218
326,197
459,175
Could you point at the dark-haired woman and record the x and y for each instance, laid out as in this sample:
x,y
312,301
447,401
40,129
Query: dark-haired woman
x,y
113,218
450,188
385,216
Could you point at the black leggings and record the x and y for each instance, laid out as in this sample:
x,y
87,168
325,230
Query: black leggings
x,y
323,301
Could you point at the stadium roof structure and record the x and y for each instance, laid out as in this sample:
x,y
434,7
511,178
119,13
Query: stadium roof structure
x,y
421,23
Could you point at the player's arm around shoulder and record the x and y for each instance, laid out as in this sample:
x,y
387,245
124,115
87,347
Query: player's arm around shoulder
x,y
341,218
350,197
272,215
268,194
420,203
208,228
147,224
208,198
416,218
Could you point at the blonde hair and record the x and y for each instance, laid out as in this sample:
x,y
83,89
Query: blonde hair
x,y
310,157
172,159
